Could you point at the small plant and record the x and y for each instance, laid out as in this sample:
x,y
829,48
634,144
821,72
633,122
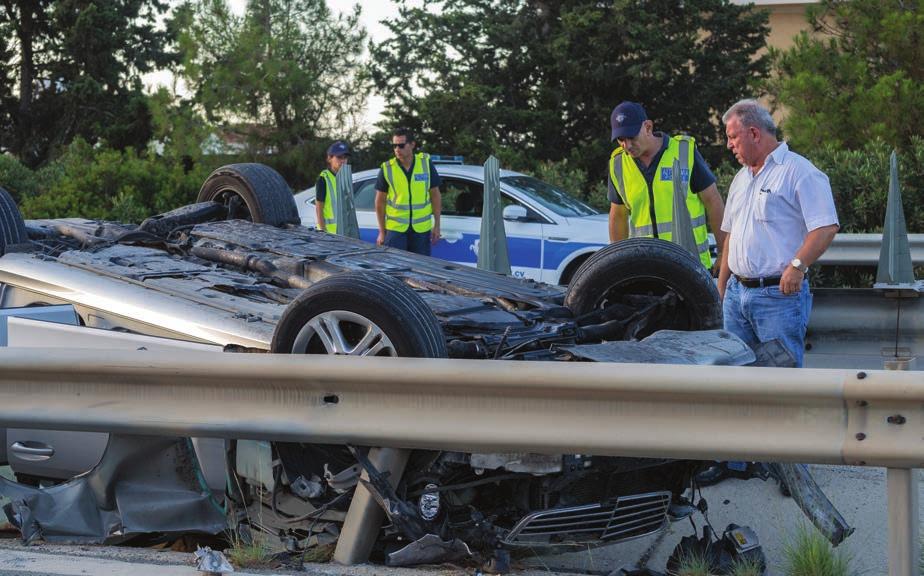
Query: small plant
x,y
808,554
692,564
244,554
319,554
746,567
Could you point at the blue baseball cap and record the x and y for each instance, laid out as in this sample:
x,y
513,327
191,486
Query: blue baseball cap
x,y
338,148
627,119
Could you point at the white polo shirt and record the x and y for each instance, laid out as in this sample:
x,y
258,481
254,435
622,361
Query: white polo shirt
x,y
769,214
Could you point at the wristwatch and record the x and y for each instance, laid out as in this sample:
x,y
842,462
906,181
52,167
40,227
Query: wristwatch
x,y
798,265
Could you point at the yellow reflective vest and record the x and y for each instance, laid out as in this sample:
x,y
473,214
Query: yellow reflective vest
x,y
330,183
408,202
651,210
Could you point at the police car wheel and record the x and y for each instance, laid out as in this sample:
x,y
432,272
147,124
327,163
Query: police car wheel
x,y
253,192
647,266
12,226
360,314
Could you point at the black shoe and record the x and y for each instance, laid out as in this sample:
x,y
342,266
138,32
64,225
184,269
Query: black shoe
x,y
712,475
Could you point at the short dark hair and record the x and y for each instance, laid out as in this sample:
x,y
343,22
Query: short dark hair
x,y
406,132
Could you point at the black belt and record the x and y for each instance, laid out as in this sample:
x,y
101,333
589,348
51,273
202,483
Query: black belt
x,y
758,282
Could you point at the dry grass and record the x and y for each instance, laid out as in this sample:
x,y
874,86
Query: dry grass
x,y
320,554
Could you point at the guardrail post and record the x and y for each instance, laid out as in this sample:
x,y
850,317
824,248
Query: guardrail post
x,y
364,518
902,485
904,549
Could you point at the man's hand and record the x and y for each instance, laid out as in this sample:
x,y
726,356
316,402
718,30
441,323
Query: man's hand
x,y
791,282
434,235
381,238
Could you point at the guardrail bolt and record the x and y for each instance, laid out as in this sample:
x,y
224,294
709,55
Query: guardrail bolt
x,y
861,375
862,403
861,436
897,419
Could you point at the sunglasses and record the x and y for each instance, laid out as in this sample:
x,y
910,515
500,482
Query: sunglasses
x,y
400,145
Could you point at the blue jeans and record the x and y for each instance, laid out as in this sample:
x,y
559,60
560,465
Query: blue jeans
x,y
417,242
761,314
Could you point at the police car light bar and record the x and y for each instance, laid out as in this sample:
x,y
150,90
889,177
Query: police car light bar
x,y
439,159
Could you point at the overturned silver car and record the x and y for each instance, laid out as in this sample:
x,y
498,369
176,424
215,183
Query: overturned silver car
x,y
236,271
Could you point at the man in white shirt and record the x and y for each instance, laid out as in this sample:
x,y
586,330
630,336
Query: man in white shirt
x,y
779,218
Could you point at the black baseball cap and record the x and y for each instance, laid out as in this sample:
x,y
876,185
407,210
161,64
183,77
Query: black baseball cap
x,y
627,120
338,148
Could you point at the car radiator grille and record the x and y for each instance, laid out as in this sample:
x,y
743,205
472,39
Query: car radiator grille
x,y
627,517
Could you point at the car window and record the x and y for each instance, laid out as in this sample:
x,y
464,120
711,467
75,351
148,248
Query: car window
x,y
364,195
461,197
551,197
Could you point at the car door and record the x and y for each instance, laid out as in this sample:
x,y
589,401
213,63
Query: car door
x,y
364,201
460,228
460,224
60,455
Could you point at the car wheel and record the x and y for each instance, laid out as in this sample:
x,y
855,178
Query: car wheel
x,y
360,314
253,192
12,226
647,266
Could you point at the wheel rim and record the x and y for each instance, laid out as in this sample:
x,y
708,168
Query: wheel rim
x,y
237,207
341,332
647,285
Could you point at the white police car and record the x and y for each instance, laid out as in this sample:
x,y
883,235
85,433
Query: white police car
x,y
549,232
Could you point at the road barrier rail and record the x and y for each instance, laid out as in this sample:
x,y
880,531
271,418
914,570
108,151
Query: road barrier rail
x,y
872,417
864,250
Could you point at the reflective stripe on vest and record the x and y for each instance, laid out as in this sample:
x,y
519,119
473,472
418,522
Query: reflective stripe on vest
x,y
633,189
330,182
408,202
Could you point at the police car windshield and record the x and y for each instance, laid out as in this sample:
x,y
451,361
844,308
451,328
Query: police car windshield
x,y
555,199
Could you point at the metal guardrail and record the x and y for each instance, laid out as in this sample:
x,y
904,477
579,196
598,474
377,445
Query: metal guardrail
x,y
821,416
863,250
873,418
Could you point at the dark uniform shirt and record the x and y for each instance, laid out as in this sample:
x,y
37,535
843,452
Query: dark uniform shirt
x,y
320,189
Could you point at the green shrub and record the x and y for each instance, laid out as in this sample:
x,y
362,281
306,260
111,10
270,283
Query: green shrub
x,y
100,183
860,182
808,553
17,178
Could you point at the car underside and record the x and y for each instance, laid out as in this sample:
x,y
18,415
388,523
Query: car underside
x,y
226,271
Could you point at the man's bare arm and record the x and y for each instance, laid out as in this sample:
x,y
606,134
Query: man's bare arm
x,y
619,224
380,198
814,245
319,214
724,270
715,211
436,204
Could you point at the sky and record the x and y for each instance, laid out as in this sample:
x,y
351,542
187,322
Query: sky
x,y
373,12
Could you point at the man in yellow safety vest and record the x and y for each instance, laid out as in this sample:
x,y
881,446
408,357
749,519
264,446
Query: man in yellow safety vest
x,y
641,182
407,198
325,190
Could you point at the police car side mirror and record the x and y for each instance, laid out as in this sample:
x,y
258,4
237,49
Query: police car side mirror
x,y
515,212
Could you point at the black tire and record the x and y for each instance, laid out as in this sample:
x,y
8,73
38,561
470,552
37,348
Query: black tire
x,y
409,327
647,266
12,226
252,192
